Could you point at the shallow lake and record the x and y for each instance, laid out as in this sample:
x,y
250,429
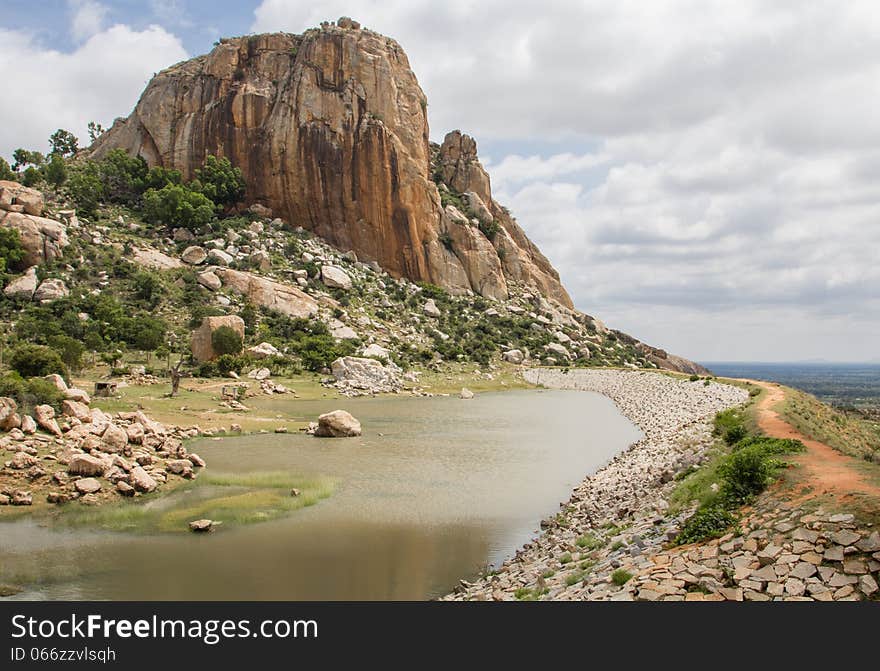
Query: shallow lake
x,y
434,491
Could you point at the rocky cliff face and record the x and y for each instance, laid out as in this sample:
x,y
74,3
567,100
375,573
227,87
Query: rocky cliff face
x,y
331,133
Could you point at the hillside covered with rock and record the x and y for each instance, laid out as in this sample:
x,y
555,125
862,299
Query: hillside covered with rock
x,y
329,130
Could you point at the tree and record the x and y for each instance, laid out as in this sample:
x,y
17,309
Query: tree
x,y
226,340
30,176
11,250
95,131
63,142
124,176
85,188
56,170
220,182
36,361
150,334
23,158
176,206
6,172
69,349
175,378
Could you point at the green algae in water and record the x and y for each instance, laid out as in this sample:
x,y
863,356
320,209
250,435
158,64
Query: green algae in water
x,y
231,498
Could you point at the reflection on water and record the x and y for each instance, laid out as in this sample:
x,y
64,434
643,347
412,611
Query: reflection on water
x,y
434,491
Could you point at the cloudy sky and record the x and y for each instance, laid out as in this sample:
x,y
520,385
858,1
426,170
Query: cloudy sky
x,y
704,175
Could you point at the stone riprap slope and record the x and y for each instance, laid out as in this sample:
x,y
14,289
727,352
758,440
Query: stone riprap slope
x,y
675,417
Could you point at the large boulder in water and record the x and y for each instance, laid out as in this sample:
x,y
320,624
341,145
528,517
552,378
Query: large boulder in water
x,y
337,424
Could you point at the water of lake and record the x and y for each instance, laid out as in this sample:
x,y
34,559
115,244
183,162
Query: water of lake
x,y
448,487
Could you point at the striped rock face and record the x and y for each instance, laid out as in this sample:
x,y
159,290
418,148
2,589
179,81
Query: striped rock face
x,y
330,131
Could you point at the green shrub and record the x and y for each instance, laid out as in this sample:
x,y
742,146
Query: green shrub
x,y
36,361
30,393
219,181
588,542
85,188
69,349
694,378
489,228
55,171
707,522
748,470
11,250
735,434
226,340
178,206
620,577
6,172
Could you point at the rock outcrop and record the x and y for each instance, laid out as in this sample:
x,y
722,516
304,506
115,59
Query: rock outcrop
x,y
267,293
201,339
330,130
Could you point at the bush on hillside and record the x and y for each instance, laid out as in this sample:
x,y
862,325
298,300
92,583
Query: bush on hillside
x,y
11,251
36,361
178,206
226,340
219,181
30,393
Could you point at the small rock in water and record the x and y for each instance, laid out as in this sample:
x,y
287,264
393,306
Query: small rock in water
x,y
466,393
202,526
337,424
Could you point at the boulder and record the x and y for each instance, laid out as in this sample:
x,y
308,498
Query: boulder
x,y
183,235
263,351
194,255
28,425
45,416
466,393
23,286
115,438
141,480
87,486
559,350
43,239
22,498
365,374
335,277
375,351
200,341
57,381
22,460
267,293
513,356
51,290
342,332
13,193
259,374
135,433
337,424
8,413
202,526
430,308
181,467
86,465
75,409
78,395
124,488
209,280
261,260
220,257
154,259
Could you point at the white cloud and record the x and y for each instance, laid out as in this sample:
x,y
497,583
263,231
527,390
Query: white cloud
x,y
99,81
728,205
88,18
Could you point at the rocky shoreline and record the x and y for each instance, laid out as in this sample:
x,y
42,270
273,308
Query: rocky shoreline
x,y
87,455
611,540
